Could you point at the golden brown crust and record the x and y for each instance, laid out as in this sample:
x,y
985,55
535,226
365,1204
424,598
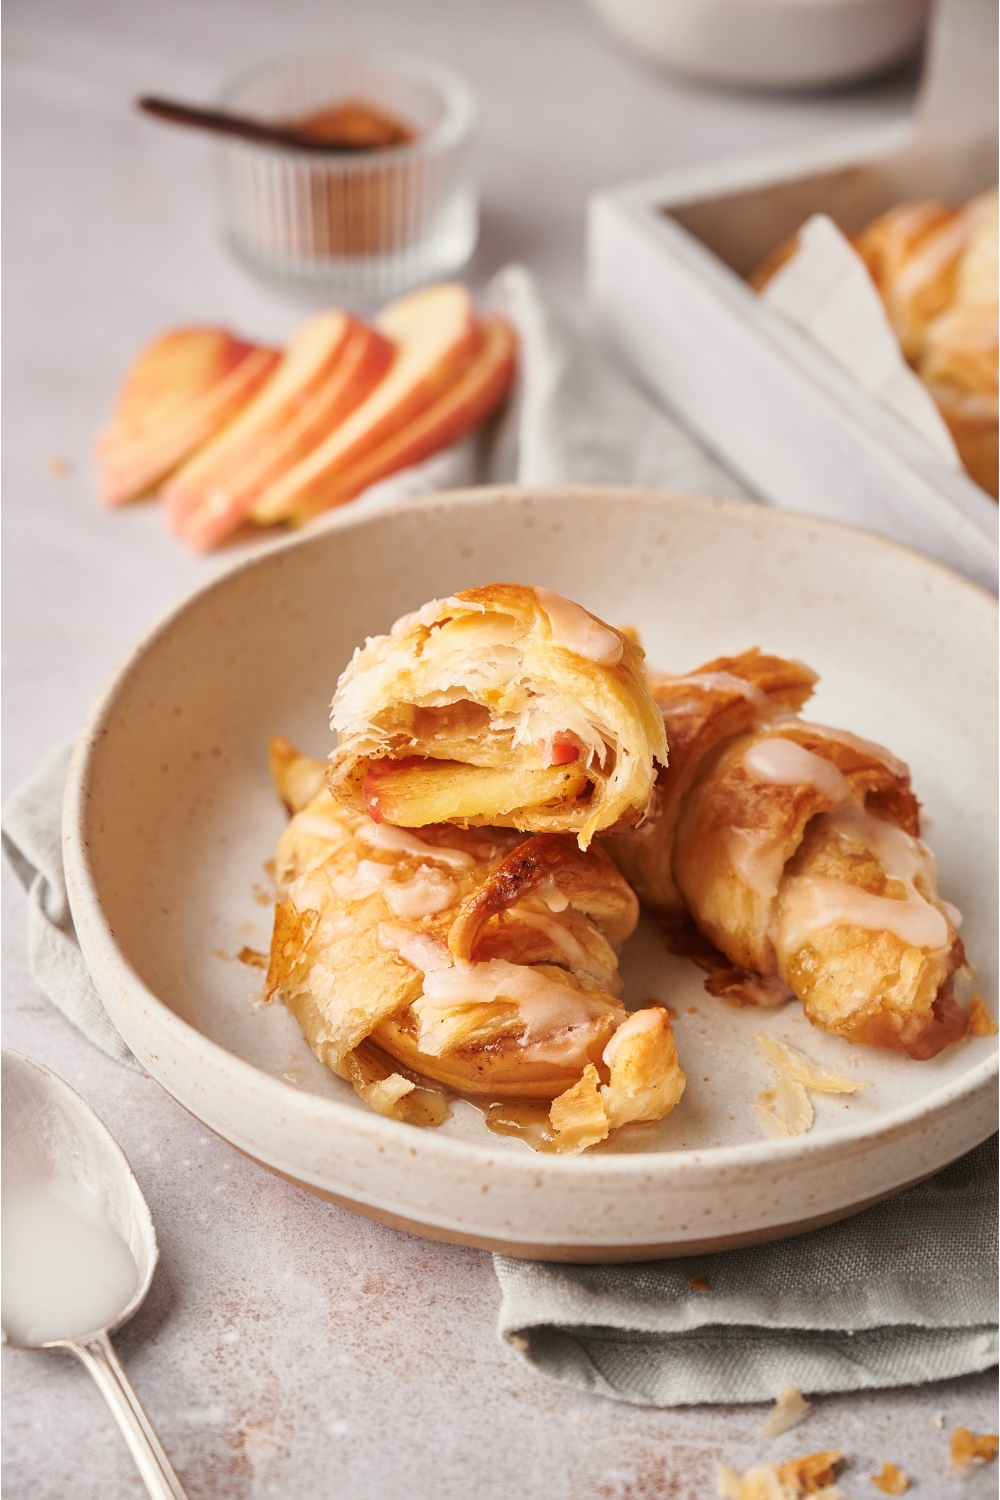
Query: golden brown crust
x,y
481,961
768,821
588,881
723,698
912,253
935,268
507,678
775,852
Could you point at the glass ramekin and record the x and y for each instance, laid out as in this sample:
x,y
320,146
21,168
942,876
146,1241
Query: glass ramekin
x,y
359,225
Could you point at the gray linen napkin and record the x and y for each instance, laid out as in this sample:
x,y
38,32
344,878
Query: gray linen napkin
x,y
32,842
839,1309
902,1293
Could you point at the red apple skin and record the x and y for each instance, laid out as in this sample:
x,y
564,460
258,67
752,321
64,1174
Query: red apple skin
x,y
563,751
438,325
178,393
208,518
471,398
371,787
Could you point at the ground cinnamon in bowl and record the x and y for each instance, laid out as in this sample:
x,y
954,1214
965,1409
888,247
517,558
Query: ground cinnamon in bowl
x,y
389,205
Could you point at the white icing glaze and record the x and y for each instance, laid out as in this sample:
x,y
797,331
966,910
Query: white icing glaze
x,y
810,903
558,1018
574,630
650,1019
66,1271
367,878
401,841
420,950
757,859
310,892
424,894
550,893
575,955
844,737
900,856
725,682
782,762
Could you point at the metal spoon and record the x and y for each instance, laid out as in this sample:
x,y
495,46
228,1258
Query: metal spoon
x,y
50,1135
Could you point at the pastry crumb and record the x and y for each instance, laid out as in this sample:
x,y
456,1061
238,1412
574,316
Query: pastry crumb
x,y
784,1110
968,1448
788,1059
981,1023
891,1479
699,1284
790,1407
693,1010
252,958
57,466
812,1475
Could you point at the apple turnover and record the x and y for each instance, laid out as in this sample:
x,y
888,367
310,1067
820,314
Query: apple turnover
x,y
479,962
504,706
795,848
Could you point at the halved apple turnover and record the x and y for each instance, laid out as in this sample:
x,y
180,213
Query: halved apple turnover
x,y
477,961
796,850
505,706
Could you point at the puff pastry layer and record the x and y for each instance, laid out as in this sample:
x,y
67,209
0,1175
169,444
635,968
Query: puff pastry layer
x,y
480,962
796,850
504,706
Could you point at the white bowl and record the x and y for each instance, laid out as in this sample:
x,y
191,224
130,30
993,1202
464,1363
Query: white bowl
x,y
769,43
170,818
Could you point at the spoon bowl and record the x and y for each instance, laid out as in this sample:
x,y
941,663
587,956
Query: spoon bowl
x,y
80,1246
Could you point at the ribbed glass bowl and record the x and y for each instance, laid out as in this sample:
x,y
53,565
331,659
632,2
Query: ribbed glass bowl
x,y
364,225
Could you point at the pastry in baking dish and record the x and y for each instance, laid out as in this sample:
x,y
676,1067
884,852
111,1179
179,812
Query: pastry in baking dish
x,y
504,706
480,962
935,267
795,848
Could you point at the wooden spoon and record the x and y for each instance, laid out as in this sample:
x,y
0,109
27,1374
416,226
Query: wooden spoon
x,y
308,135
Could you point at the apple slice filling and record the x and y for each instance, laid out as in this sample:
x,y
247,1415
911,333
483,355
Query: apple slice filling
x,y
414,792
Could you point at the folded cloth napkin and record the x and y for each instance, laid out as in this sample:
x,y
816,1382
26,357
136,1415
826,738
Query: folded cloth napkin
x,y
901,1293
839,1309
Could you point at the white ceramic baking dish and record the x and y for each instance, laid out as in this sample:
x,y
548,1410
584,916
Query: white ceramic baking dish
x,y
170,818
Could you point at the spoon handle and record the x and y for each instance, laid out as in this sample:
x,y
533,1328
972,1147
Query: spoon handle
x,y
223,122
153,1464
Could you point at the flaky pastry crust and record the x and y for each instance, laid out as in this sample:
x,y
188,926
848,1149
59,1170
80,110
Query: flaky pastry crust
x,y
504,706
480,962
796,850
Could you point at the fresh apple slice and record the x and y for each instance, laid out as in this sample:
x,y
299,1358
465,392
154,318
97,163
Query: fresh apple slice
x,y
214,493
437,337
310,355
182,388
464,404
412,793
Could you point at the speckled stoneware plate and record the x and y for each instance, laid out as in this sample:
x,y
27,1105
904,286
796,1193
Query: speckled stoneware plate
x,y
170,817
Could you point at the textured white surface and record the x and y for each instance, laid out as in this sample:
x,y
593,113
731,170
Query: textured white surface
x,y
287,1348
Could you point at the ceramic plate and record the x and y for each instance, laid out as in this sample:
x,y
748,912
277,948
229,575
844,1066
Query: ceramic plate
x,y
171,816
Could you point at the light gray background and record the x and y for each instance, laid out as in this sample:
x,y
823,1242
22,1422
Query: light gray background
x,y
287,1348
